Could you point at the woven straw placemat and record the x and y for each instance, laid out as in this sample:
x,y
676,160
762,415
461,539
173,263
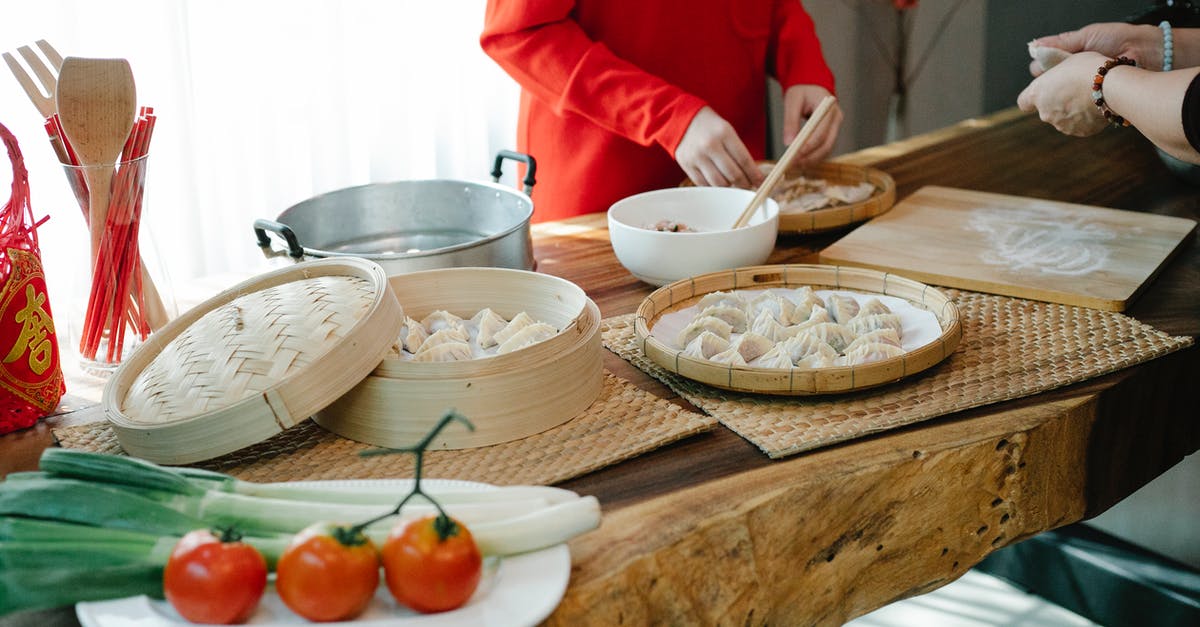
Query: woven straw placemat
x,y
1010,348
622,423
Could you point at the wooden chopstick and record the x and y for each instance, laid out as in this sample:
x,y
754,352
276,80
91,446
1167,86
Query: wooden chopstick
x,y
768,185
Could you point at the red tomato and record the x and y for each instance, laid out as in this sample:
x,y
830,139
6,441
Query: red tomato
x,y
432,566
214,580
327,574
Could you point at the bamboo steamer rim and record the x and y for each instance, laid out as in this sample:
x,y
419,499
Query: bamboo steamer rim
x,y
272,404
798,381
834,218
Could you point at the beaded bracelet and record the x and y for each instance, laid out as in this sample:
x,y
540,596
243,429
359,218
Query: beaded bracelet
x,y
1168,46
1098,90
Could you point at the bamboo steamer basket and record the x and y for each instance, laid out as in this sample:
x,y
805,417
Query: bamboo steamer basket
x,y
834,218
798,381
506,397
252,361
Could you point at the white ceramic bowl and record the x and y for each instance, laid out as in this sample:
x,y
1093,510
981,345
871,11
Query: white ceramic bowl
x,y
660,257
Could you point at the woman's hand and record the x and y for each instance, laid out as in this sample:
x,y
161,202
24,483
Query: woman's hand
x,y
799,102
1142,43
711,153
1063,95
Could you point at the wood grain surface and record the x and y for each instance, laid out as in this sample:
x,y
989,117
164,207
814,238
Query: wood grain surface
x,y
1016,246
709,531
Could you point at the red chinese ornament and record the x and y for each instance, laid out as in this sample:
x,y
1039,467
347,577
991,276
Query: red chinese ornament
x,y
31,380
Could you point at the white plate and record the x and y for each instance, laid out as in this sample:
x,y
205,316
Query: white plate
x,y
514,591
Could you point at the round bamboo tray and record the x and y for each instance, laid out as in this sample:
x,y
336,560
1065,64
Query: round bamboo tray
x,y
252,361
798,381
841,216
506,397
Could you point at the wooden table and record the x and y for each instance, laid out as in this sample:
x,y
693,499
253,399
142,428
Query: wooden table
x,y
709,531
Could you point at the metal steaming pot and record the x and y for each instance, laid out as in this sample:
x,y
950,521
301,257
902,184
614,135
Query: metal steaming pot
x,y
406,226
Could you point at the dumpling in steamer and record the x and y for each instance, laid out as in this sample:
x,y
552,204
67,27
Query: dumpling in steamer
x,y
413,335
519,321
439,320
706,345
713,325
735,316
865,324
532,334
447,351
872,351
843,308
488,323
448,334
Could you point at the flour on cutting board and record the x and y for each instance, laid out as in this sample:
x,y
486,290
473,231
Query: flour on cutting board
x,y
1048,241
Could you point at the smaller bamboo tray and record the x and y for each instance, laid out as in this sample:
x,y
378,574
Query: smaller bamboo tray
x,y
797,381
252,361
506,397
834,218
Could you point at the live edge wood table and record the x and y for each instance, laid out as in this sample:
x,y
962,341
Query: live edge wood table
x,y
709,531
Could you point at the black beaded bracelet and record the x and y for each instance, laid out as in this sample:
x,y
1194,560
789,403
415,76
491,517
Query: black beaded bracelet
x,y
1098,90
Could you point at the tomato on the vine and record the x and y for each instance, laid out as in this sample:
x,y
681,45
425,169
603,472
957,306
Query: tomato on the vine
x,y
211,579
432,564
328,572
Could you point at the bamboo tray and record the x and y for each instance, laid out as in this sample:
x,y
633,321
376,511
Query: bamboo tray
x,y
798,381
834,218
252,361
508,396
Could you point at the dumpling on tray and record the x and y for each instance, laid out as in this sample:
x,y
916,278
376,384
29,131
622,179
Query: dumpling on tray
x,y
706,345
700,325
871,351
735,316
865,324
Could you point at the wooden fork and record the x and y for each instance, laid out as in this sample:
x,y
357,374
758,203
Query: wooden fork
x,y
47,75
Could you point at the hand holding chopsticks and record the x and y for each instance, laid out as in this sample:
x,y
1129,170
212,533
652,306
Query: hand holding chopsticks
x,y
777,173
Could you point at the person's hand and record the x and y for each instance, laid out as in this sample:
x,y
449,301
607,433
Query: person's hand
x,y
711,153
1063,95
1142,43
799,102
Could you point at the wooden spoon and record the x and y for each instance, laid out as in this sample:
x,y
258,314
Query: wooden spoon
x,y
776,175
97,103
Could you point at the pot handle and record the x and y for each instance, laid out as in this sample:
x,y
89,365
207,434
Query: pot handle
x,y
260,231
530,163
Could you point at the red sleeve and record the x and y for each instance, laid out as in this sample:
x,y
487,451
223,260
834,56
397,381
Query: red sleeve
x,y
550,56
795,49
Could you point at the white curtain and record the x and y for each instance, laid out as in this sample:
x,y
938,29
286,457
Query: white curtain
x,y
262,104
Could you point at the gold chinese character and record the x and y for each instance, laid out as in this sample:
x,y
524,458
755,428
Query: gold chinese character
x,y
36,325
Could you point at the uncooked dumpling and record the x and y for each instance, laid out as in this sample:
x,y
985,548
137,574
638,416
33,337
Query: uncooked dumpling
x,y
882,336
803,345
806,299
873,306
843,308
766,325
730,356
706,345
774,358
865,324
735,316
779,307
1047,56
728,299
752,346
833,334
872,351
702,324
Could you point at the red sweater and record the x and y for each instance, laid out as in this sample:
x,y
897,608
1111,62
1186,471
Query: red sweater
x,y
610,86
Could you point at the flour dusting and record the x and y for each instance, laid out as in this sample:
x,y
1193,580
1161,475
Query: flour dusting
x,y
1048,241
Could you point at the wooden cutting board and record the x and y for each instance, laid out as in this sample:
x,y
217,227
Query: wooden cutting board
x,y
1023,247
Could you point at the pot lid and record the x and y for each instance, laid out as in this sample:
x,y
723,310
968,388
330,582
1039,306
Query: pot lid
x,y
253,361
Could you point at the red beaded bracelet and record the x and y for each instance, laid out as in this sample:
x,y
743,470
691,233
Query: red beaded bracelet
x,y
1098,90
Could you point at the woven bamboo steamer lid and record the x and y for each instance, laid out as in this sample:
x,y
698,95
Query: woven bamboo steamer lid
x,y
506,397
252,361
798,381
834,218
